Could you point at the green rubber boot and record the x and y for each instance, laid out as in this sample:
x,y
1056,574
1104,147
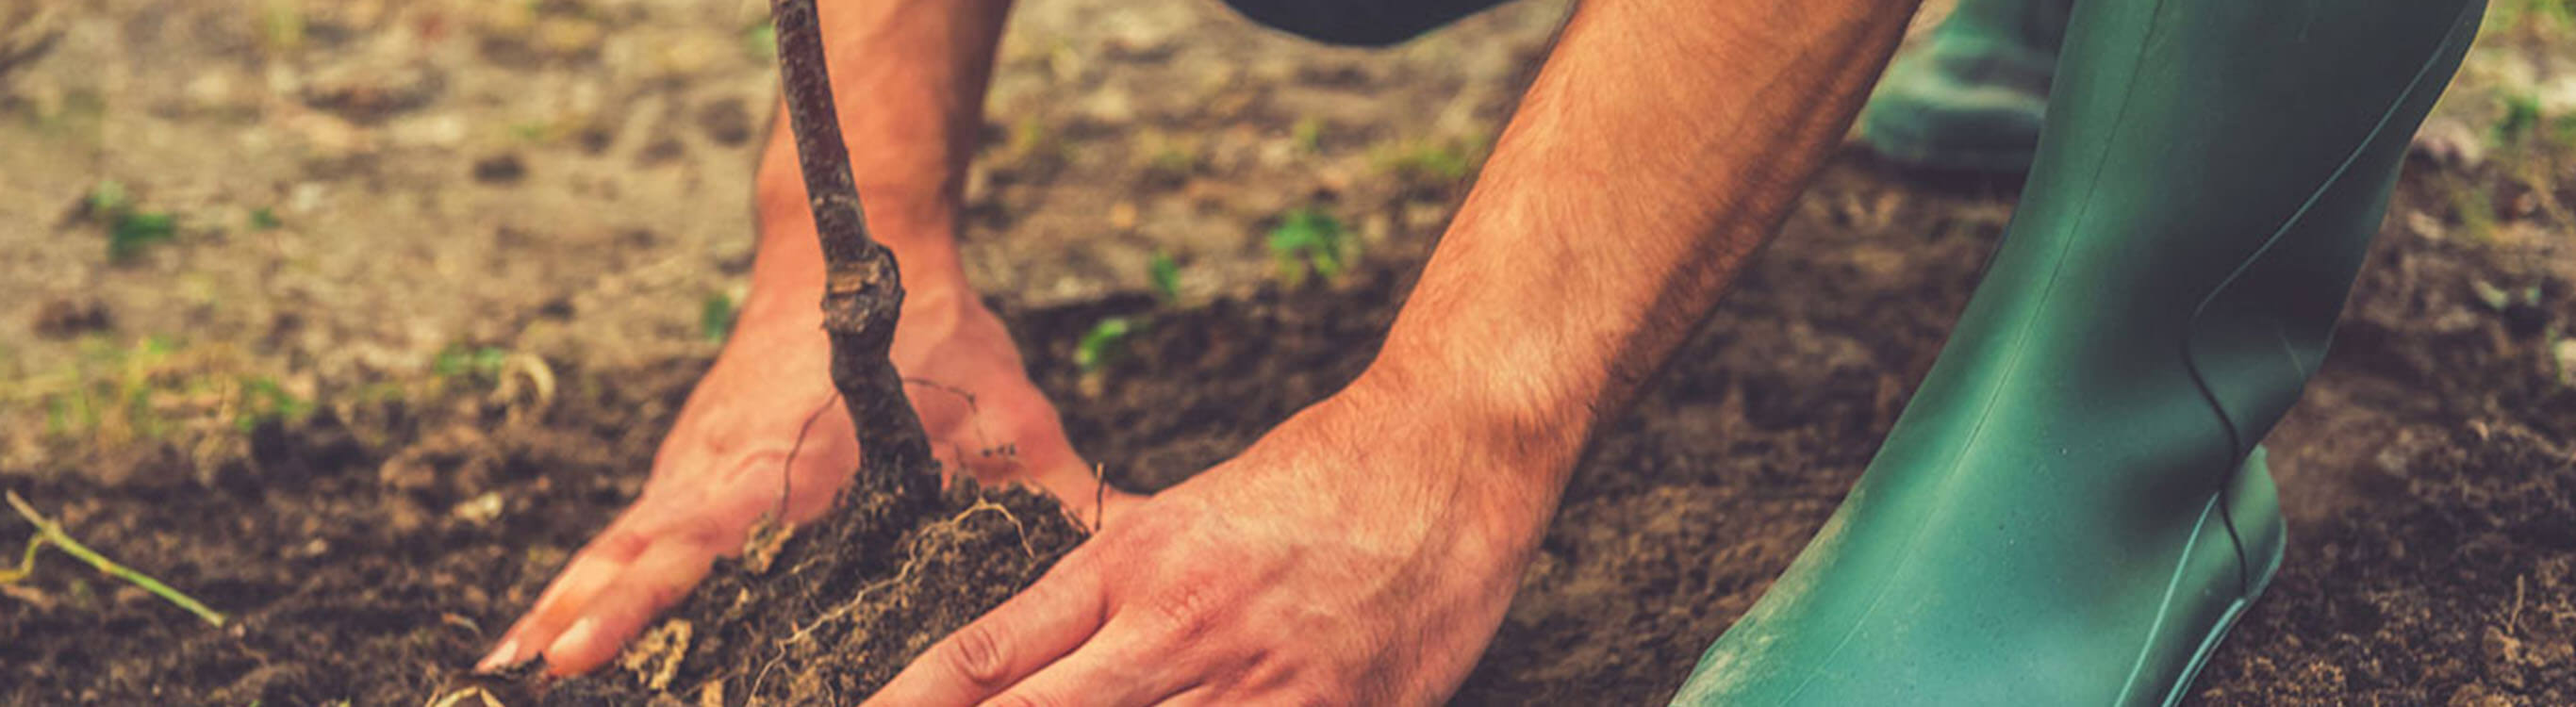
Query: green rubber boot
x,y
1972,96
2071,510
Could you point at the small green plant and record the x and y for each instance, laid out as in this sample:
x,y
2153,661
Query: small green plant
x,y
2495,298
50,533
460,361
264,219
153,390
1105,342
114,393
1307,241
264,401
2498,298
1166,276
2521,118
129,229
716,316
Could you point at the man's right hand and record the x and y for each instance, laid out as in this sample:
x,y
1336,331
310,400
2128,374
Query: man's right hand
x,y
763,434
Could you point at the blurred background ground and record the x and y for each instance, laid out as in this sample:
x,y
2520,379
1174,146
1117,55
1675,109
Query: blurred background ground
x,y
253,236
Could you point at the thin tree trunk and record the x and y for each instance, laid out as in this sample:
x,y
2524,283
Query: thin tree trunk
x,y
862,292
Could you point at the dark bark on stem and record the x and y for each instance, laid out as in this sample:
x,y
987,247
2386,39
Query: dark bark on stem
x,y
862,291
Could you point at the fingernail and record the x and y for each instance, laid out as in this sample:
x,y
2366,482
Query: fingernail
x,y
501,657
578,636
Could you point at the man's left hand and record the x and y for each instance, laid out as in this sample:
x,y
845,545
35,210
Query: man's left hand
x,y
1355,555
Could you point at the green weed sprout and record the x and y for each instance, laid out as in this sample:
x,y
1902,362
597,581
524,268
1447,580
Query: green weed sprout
x,y
129,229
716,316
263,400
1105,341
47,532
2521,117
459,361
1308,240
1166,275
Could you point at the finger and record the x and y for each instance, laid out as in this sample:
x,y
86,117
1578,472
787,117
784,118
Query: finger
x,y
657,579
1202,695
594,569
1044,622
1120,667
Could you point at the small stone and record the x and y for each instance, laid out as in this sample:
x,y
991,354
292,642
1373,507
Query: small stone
x,y
482,509
503,168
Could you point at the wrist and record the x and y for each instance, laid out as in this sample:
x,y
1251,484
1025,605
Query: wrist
x,y
1506,467
787,271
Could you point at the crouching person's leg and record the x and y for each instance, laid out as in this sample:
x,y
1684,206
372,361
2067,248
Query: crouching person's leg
x,y
2072,511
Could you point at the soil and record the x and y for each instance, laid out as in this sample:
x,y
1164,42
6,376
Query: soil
x,y
545,199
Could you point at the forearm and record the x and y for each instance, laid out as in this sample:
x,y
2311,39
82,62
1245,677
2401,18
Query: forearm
x,y
909,77
1659,147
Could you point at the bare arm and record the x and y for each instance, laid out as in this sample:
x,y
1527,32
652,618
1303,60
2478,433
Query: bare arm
x,y
910,77
1365,550
1659,147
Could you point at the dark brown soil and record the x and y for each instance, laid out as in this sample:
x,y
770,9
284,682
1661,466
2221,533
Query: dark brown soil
x,y
2427,475
841,606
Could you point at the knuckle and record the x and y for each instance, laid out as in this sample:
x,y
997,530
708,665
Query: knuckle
x,y
1186,610
976,654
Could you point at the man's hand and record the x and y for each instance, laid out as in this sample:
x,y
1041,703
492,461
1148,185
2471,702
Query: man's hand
x,y
761,437
1358,554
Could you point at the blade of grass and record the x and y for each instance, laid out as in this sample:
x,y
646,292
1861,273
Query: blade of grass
x,y
27,564
48,532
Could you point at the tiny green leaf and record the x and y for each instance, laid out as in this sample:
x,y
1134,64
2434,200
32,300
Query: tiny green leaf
x,y
108,197
2492,296
1166,274
1308,239
716,316
129,233
1105,341
2521,117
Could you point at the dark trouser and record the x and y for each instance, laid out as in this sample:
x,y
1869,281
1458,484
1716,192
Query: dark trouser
x,y
1368,23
